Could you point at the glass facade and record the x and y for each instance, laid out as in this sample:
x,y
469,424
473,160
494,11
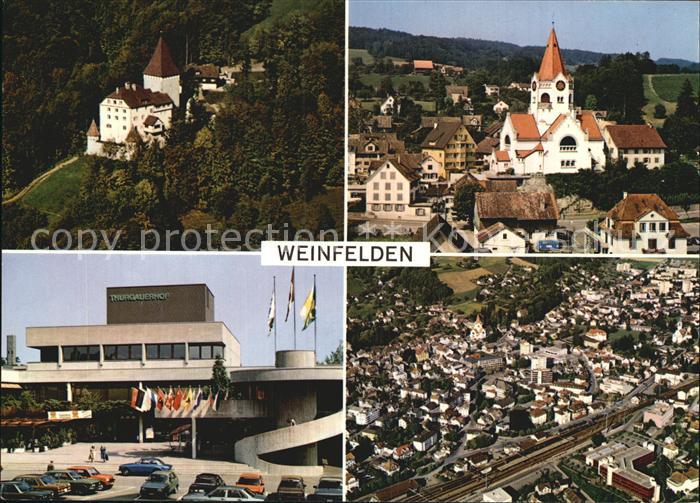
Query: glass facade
x,y
206,351
81,353
165,351
122,352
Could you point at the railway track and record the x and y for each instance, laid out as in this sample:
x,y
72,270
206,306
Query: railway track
x,y
504,469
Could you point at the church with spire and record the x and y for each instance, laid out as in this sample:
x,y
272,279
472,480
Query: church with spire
x,y
135,114
553,136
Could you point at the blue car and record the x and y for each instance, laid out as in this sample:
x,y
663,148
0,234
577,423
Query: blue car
x,y
549,245
144,466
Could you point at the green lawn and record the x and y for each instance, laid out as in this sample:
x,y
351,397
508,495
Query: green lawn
x,y
281,9
367,58
467,308
668,87
496,265
52,195
663,89
612,337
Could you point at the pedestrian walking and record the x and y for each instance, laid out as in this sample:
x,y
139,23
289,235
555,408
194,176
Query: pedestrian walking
x,y
106,455
91,456
102,453
50,466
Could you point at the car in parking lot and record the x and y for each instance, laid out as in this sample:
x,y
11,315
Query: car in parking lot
x,y
203,484
144,466
328,489
160,485
253,482
78,483
91,472
18,490
291,488
45,483
232,493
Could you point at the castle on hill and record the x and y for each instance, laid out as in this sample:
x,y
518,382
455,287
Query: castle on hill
x,y
135,114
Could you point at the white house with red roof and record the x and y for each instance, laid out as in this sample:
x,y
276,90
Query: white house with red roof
x,y
554,136
635,143
134,113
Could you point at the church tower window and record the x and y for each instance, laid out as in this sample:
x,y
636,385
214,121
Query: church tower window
x,y
545,98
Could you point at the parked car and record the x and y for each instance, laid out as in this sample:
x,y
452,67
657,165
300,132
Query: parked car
x,y
40,482
144,466
233,493
18,490
292,488
160,484
204,483
253,482
91,472
78,483
550,245
328,489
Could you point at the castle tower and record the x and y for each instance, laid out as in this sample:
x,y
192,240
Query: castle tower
x,y
551,88
94,147
162,74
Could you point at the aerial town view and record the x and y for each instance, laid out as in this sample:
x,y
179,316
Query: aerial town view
x,y
133,385
570,143
133,119
503,379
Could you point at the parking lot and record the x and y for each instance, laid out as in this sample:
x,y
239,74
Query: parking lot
x,y
127,488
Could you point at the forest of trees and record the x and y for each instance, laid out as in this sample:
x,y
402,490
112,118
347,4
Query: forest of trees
x,y
276,141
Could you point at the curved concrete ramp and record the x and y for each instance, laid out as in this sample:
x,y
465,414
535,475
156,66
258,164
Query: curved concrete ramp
x,y
249,449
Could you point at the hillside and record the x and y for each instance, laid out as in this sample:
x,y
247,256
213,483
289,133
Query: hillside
x,y
467,52
664,90
280,10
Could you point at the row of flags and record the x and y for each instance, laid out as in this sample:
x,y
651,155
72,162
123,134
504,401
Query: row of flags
x,y
181,401
308,309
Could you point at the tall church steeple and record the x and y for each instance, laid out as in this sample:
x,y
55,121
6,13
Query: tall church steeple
x,y
552,88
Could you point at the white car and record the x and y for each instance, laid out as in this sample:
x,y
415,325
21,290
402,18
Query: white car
x,y
232,493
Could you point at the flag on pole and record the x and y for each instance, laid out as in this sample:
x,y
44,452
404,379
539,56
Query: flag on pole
x,y
308,310
169,398
271,314
134,398
290,299
161,399
187,402
216,399
198,398
146,401
178,399
140,400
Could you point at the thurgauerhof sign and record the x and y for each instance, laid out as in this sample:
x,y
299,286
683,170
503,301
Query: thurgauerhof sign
x,y
138,297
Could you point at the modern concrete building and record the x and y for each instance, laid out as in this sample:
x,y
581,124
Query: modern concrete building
x,y
167,336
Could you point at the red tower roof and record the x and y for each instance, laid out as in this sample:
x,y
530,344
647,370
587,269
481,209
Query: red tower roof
x,y
161,63
552,62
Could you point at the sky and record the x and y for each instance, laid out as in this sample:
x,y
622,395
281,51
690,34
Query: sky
x,y
666,29
58,289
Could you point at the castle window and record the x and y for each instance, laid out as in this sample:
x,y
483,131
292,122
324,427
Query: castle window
x,y
567,144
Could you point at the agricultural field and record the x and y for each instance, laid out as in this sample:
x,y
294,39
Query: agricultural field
x,y
367,58
53,194
664,90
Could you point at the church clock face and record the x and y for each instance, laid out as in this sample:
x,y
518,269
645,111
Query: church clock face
x,y
534,86
561,85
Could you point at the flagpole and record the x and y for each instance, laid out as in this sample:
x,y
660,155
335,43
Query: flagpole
x,y
274,296
315,317
294,301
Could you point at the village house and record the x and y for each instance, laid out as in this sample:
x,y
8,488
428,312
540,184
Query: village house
x,y
635,144
392,190
450,144
532,214
364,148
642,223
423,66
458,94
